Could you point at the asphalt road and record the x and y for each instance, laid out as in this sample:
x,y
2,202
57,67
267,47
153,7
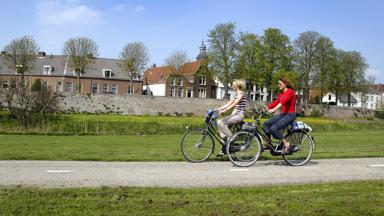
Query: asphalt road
x,y
53,174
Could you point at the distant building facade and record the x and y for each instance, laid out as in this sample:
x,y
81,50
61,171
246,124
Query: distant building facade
x,y
102,77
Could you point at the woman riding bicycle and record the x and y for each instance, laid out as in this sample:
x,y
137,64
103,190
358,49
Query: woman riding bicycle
x,y
287,102
238,103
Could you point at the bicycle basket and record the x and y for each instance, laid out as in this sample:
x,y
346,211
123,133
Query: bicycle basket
x,y
300,126
210,117
247,126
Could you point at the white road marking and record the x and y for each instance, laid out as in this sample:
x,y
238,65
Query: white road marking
x,y
238,169
58,171
377,165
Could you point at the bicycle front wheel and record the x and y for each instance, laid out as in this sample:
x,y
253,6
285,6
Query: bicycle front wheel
x,y
301,150
243,149
197,145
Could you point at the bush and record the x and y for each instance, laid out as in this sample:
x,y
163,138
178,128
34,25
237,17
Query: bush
x,y
379,114
316,113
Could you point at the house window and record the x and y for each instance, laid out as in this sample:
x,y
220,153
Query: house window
x,y
47,70
135,76
180,92
131,90
105,89
189,93
172,83
68,87
13,84
202,81
44,86
114,89
95,88
202,93
329,97
107,73
59,87
180,83
172,91
5,84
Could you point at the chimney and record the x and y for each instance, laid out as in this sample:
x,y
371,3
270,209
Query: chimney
x,y
41,54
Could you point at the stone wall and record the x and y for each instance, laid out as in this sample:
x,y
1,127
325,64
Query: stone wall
x,y
148,105
139,105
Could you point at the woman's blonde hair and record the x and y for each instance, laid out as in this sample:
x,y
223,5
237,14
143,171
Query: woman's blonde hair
x,y
239,84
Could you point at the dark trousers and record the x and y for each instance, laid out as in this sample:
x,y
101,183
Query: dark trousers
x,y
277,123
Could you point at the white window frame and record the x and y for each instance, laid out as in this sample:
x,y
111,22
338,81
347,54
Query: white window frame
x,y
59,87
115,89
71,87
202,93
5,82
105,91
202,81
44,85
97,88
47,70
110,73
131,90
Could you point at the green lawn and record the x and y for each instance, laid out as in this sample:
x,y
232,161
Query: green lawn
x,y
351,198
340,144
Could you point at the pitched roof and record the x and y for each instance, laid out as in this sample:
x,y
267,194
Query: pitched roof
x,y
158,75
58,63
344,98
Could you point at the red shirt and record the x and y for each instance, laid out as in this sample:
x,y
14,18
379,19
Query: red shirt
x,y
287,100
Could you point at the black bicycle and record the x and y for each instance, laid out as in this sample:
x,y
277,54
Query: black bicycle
x,y
246,146
197,145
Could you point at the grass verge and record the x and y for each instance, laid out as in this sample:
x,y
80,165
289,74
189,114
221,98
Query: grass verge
x,y
340,144
348,198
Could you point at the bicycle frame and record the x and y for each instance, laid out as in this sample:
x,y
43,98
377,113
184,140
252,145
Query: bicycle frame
x,y
259,132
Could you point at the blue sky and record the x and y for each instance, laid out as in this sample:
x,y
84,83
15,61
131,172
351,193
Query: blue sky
x,y
167,25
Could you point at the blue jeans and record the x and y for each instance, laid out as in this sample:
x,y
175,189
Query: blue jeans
x,y
277,123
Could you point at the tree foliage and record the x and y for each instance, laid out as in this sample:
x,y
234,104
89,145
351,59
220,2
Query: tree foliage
x,y
222,52
80,53
177,59
20,55
305,52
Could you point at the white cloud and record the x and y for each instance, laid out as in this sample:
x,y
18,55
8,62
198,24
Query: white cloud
x,y
66,12
139,8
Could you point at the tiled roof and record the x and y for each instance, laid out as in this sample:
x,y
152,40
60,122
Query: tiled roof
x,y
58,63
158,75
376,88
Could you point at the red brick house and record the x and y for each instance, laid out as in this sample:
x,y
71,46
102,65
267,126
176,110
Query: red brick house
x,y
193,80
103,77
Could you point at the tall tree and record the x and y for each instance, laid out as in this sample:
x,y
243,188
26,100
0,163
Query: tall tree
x,y
81,53
222,52
21,55
133,59
336,75
177,59
353,71
305,46
276,55
323,63
248,65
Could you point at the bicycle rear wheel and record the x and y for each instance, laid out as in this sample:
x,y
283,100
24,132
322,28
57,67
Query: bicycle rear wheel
x,y
197,145
243,149
301,150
